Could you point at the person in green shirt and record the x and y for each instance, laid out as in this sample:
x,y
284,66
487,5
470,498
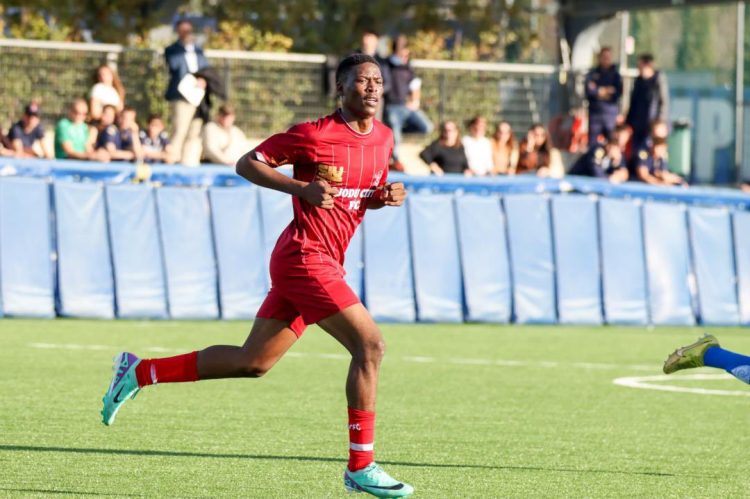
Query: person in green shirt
x,y
72,137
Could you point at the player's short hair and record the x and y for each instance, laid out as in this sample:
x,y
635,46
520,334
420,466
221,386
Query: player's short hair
x,y
646,58
352,61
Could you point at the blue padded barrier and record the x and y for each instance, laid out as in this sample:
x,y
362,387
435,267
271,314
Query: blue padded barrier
x,y
188,252
623,262
276,212
389,289
531,257
243,279
136,252
86,287
26,268
354,264
484,258
576,236
711,238
741,226
437,266
668,264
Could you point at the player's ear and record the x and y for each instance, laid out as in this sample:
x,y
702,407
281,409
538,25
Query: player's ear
x,y
339,89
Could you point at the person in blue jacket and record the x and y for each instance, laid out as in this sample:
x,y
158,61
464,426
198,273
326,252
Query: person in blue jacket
x,y
184,57
603,92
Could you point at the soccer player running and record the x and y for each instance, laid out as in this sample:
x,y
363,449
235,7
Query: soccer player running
x,y
707,352
340,168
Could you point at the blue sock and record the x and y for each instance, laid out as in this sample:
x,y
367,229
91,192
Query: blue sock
x,y
735,364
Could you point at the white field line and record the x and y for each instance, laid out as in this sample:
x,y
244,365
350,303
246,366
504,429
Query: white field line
x,y
411,359
651,383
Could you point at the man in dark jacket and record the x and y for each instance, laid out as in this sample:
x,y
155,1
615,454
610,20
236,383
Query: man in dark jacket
x,y
184,58
603,92
649,101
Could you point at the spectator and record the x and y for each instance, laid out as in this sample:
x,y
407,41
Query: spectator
x,y
402,101
536,154
504,150
649,101
224,143
121,142
446,154
6,149
184,58
155,141
603,161
652,166
107,91
603,92
478,147
72,136
623,134
26,136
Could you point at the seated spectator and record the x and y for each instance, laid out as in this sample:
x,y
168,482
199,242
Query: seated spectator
x,y
623,134
446,154
504,150
72,136
478,147
536,154
6,149
603,161
107,91
652,167
26,136
155,142
120,142
224,143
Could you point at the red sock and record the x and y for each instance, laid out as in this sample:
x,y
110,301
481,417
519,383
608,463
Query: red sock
x,y
361,438
167,370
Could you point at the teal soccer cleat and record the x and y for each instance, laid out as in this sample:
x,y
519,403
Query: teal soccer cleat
x,y
124,386
373,480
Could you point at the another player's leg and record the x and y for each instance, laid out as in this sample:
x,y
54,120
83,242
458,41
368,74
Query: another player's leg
x,y
269,339
354,328
707,352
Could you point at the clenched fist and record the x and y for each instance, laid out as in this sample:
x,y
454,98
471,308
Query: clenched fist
x,y
319,193
393,194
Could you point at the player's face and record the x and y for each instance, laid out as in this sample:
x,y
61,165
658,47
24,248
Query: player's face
x,y
362,90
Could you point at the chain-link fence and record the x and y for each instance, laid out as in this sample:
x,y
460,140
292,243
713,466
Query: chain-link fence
x,y
270,91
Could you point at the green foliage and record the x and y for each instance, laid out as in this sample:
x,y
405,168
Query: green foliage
x,y
233,35
696,49
32,25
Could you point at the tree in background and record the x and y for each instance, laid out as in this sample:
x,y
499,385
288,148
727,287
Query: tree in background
x,y
696,49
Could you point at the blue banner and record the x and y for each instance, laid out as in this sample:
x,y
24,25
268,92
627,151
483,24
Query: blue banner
x,y
188,253
26,268
85,277
389,290
243,275
741,227
623,262
668,264
354,264
276,212
437,267
484,258
576,234
136,252
531,258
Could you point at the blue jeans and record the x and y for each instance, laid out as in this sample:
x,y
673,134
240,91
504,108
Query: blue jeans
x,y
402,119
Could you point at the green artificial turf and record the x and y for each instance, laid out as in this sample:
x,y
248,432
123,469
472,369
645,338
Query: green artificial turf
x,y
463,411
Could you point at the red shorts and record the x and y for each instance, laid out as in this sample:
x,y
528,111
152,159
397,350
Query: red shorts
x,y
306,299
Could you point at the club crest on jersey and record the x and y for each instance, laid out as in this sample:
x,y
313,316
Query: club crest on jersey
x,y
331,173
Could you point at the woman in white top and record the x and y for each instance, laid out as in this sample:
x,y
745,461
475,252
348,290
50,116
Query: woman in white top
x,y
478,147
107,91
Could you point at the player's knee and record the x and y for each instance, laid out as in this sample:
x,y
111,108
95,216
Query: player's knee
x,y
255,368
373,351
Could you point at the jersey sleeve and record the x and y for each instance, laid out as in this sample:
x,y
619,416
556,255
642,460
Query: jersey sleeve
x,y
294,147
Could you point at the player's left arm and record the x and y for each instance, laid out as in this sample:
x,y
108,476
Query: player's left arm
x,y
391,194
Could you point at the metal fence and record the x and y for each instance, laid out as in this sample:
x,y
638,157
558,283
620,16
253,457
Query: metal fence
x,y
270,90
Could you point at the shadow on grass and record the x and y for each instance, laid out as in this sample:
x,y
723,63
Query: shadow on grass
x,y
211,455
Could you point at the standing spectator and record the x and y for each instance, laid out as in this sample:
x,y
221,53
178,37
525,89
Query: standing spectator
x,y
72,135
26,136
504,150
649,101
107,91
223,142
184,58
402,101
155,141
446,154
536,154
652,165
478,147
602,161
603,92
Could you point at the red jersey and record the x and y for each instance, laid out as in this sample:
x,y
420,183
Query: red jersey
x,y
331,150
